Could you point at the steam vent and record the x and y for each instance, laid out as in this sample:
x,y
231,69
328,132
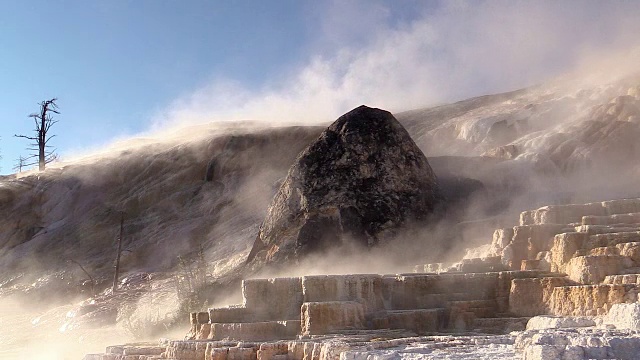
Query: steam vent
x,y
361,180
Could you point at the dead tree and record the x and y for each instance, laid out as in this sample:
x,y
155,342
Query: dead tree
x,y
43,122
116,265
21,163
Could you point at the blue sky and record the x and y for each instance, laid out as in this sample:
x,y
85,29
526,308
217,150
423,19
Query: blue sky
x,y
112,64
120,68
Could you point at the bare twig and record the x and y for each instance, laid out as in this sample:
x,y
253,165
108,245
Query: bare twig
x,y
93,282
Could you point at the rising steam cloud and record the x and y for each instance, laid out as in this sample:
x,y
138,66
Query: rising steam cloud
x,y
444,52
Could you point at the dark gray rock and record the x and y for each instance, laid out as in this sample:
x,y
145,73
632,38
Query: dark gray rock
x,y
359,182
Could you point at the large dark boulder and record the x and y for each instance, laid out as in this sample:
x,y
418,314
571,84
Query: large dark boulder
x,y
359,182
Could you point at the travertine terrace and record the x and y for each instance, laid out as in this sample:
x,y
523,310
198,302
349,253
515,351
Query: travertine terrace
x,y
563,267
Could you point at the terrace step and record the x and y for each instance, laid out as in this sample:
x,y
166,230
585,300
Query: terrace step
x,y
590,300
500,325
255,331
629,218
611,239
420,321
622,279
480,308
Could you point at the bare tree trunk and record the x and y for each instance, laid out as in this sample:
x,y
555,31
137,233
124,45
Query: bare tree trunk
x,y
42,139
41,163
117,265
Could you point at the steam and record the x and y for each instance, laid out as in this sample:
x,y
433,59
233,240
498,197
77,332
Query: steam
x,y
34,331
449,51
443,52
364,53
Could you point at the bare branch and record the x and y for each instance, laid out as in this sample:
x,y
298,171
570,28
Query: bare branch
x,y
49,138
26,137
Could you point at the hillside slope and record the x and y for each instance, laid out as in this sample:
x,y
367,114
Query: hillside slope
x,y
175,198
546,144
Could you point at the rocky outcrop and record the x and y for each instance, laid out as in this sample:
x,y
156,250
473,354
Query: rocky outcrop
x,y
590,300
624,316
530,297
578,343
358,183
593,269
